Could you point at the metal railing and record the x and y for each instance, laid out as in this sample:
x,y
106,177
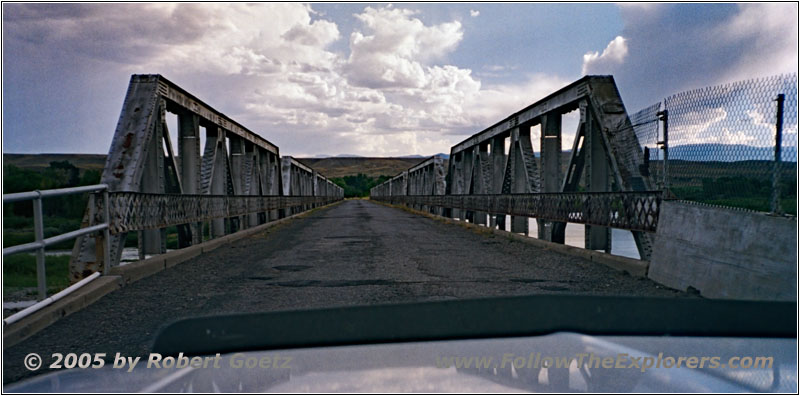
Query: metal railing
x,y
628,210
135,211
40,242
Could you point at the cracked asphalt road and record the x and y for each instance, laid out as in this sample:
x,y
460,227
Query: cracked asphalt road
x,y
354,253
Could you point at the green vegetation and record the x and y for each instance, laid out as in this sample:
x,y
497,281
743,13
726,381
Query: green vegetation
x,y
740,192
19,270
358,185
60,174
347,166
61,215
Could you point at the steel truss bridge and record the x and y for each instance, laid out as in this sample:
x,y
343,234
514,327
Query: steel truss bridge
x,y
495,172
239,180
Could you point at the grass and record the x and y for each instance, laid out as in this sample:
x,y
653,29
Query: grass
x,y
789,205
19,271
19,229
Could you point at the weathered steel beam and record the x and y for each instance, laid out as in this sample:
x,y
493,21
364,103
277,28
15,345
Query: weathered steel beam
x,y
563,101
190,162
597,180
498,170
185,100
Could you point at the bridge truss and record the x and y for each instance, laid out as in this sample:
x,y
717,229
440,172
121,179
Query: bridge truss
x,y
238,182
495,172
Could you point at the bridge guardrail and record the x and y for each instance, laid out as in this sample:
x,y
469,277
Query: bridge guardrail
x,y
38,223
629,210
135,211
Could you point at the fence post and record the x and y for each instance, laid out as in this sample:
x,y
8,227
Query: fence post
x,y
663,115
38,229
776,169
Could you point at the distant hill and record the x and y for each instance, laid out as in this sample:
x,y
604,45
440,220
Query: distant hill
x,y
330,166
370,166
340,166
42,161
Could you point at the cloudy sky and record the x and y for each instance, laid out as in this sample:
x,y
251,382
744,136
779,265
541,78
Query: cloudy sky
x,y
364,79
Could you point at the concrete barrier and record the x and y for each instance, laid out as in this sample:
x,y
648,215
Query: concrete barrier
x,y
725,253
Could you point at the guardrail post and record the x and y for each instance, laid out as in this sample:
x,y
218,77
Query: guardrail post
x,y
38,229
776,169
108,262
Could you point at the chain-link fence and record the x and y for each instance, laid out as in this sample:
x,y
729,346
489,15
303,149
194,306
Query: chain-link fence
x,y
646,125
721,144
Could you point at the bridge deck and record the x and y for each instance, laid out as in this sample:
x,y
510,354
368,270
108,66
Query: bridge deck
x,y
357,252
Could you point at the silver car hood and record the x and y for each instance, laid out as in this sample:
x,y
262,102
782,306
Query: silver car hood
x,y
419,367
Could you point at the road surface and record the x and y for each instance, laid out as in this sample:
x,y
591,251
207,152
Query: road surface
x,y
354,253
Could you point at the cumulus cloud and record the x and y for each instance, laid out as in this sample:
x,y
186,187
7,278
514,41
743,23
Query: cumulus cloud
x,y
613,55
269,66
670,48
474,13
769,31
394,48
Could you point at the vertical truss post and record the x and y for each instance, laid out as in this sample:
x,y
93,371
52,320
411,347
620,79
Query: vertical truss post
x,y
273,181
189,148
438,180
251,180
776,169
519,176
219,177
551,170
481,164
154,241
468,160
458,180
286,176
498,169
597,180
237,176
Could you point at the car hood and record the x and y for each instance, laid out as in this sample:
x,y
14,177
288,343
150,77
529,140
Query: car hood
x,y
484,365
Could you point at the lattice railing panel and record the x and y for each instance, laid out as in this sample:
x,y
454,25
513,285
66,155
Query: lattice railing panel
x,y
132,211
635,211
